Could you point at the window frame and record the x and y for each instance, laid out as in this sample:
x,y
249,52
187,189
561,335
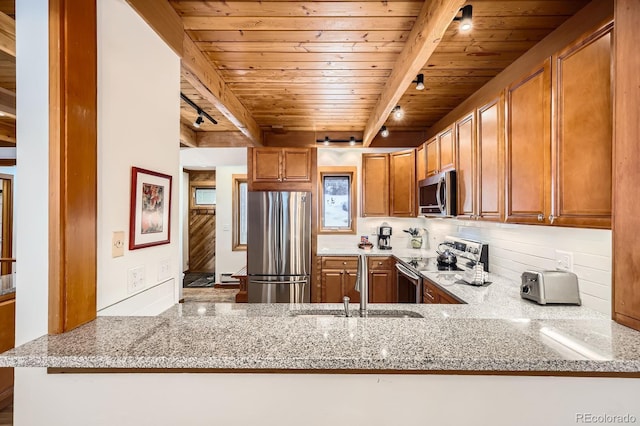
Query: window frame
x,y
237,181
352,173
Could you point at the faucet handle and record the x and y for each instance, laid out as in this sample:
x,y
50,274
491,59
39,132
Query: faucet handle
x,y
345,301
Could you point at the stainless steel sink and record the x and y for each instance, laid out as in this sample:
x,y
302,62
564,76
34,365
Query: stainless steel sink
x,y
374,313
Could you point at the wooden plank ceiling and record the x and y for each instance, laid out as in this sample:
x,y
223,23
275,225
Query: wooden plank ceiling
x,y
322,65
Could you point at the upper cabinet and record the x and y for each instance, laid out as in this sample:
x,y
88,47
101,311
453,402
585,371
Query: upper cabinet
x,y
281,168
490,161
466,178
529,147
421,162
582,170
389,184
440,153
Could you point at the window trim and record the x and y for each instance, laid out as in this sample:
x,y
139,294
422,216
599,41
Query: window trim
x,y
352,172
237,180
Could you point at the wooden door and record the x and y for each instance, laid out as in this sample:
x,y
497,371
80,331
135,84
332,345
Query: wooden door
x,y
490,161
332,287
466,170
375,185
421,162
447,151
433,157
582,172
296,165
349,285
529,147
402,188
266,165
202,226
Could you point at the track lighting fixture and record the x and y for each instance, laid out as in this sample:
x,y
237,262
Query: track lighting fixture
x,y
201,114
384,132
398,113
419,82
199,120
328,141
466,18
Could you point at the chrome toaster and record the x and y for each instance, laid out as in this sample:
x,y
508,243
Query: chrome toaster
x,y
550,287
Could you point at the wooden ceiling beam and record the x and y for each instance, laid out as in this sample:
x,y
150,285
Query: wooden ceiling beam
x,y
7,34
208,81
222,140
164,20
429,28
7,103
188,136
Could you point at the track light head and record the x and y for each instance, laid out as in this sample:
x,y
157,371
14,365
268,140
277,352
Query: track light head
x,y
419,82
199,120
352,140
398,113
384,132
466,19
326,140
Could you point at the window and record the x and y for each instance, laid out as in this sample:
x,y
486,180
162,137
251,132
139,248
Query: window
x,y
240,189
337,200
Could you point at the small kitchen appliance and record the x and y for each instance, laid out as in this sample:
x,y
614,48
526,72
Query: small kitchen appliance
x,y
384,236
446,257
437,195
545,287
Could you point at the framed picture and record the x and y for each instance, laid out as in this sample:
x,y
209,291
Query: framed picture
x,y
150,214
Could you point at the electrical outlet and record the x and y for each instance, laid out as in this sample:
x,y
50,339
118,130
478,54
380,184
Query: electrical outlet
x,y
164,270
117,244
135,279
564,260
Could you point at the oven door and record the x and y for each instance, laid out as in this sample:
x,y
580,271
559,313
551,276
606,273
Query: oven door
x,y
409,285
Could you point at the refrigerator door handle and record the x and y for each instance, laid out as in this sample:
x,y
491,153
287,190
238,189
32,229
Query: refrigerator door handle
x,y
278,282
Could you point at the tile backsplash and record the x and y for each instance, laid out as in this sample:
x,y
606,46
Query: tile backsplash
x,y
512,248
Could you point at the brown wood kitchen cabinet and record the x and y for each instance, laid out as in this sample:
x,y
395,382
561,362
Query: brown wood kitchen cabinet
x,y
466,175
490,161
421,162
382,280
281,169
441,153
338,279
433,293
7,341
389,184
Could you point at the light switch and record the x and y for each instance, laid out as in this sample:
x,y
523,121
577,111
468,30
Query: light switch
x,y
117,244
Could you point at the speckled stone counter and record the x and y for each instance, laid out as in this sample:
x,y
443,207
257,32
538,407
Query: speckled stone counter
x,y
251,337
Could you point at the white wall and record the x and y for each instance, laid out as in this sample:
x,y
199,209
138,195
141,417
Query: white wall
x,y
516,248
292,399
351,157
227,260
138,125
226,162
32,200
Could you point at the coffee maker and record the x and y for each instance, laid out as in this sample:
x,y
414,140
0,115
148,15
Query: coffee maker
x,y
384,236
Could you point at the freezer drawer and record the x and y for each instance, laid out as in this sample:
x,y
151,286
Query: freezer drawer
x,y
274,289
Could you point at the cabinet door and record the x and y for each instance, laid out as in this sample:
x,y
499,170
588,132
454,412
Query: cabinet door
x,y
421,162
266,165
466,170
445,298
529,147
381,286
296,165
447,150
429,293
7,341
583,164
375,185
490,162
349,285
403,183
332,287
433,157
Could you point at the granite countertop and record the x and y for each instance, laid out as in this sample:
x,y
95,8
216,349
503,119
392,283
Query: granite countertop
x,y
495,331
354,251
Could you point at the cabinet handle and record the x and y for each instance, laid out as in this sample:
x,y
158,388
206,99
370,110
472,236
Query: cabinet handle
x,y
540,217
551,218
284,178
344,263
379,263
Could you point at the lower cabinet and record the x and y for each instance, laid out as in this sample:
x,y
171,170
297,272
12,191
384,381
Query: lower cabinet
x,y
7,340
382,280
338,279
433,293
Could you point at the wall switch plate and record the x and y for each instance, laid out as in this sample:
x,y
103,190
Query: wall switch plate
x,y
117,244
226,227
164,270
135,279
564,260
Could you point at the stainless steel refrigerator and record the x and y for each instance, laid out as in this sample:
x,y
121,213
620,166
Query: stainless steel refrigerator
x,y
279,247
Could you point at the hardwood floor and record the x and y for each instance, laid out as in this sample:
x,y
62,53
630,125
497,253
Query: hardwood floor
x,y
6,416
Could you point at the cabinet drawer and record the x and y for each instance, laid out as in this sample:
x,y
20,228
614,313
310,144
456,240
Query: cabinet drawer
x,y
350,262
429,293
381,263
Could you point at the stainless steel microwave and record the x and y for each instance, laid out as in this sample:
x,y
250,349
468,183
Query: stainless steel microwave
x,y
437,195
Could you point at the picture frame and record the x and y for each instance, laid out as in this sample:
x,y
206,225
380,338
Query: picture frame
x,y
150,209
